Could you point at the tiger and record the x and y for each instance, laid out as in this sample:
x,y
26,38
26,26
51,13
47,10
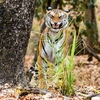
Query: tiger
x,y
53,40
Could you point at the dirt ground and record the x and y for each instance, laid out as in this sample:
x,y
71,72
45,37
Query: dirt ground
x,y
87,82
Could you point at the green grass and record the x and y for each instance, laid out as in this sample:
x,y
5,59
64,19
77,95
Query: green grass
x,y
63,77
1,1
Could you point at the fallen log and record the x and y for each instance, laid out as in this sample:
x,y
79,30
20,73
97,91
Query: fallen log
x,y
90,50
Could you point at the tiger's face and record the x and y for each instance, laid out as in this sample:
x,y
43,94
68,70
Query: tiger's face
x,y
56,19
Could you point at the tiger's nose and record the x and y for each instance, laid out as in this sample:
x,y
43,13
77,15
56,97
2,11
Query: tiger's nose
x,y
55,23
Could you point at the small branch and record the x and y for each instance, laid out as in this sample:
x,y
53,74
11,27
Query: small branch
x,y
35,91
41,91
93,95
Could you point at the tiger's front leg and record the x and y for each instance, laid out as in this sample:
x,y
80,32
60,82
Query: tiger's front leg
x,y
33,76
42,73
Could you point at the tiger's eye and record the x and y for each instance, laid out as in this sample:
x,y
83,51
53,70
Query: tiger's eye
x,y
51,16
60,16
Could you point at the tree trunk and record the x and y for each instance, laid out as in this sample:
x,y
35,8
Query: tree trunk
x,y
90,16
15,25
97,14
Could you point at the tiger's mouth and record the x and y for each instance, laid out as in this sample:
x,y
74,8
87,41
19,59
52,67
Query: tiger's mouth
x,y
56,26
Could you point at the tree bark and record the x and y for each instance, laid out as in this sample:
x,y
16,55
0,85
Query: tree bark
x,y
15,25
97,14
90,16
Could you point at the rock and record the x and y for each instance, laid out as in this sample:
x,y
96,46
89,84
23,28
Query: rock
x,y
95,98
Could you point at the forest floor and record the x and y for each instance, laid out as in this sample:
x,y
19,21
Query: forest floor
x,y
87,83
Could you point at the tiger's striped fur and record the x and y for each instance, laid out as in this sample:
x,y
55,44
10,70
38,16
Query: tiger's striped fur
x,y
52,40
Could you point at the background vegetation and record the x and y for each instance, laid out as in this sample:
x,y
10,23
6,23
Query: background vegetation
x,y
85,20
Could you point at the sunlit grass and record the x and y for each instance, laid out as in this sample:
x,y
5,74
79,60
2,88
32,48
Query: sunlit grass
x,y
60,75
1,1
63,78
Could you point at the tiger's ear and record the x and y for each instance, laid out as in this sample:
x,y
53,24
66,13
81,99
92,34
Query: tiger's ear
x,y
49,8
67,11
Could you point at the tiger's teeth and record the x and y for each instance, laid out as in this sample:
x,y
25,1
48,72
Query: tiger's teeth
x,y
55,26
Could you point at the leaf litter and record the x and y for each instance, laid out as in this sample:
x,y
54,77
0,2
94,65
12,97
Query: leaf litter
x,y
87,83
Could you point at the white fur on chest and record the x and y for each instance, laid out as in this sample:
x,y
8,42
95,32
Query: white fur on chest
x,y
52,46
